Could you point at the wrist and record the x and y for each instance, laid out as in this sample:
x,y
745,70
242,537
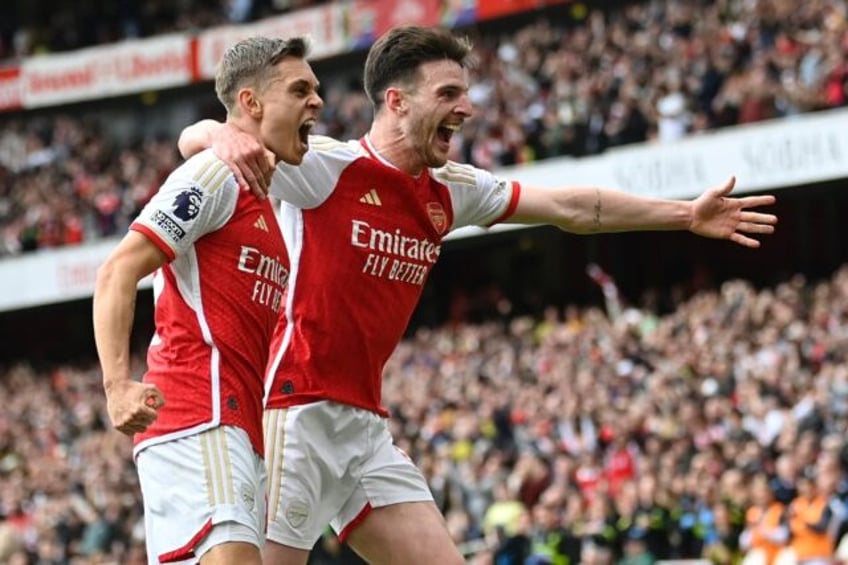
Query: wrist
x,y
112,383
687,215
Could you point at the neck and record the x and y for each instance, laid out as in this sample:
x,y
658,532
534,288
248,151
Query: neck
x,y
245,124
393,146
250,127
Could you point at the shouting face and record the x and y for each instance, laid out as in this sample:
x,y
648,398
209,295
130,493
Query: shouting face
x,y
290,108
435,108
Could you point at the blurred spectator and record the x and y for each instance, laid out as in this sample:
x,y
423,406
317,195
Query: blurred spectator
x,y
636,549
765,531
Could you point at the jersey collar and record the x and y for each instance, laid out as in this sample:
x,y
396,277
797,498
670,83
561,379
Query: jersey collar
x,y
366,143
365,140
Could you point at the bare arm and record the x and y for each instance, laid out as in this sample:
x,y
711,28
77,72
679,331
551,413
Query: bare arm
x,y
250,162
197,137
587,210
132,405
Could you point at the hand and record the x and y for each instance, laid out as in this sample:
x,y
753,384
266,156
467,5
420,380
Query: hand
x,y
251,163
717,216
133,406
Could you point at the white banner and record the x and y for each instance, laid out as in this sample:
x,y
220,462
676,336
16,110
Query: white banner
x,y
322,24
53,275
10,88
803,149
123,68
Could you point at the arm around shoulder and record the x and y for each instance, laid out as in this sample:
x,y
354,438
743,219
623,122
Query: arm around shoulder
x,y
197,137
251,163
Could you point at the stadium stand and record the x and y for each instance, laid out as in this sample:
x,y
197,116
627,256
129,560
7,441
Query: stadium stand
x,y
25,31
659,424
646,431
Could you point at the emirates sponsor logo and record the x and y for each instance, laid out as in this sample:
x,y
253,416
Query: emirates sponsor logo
x,y
271,276
251,260
393,255
393,243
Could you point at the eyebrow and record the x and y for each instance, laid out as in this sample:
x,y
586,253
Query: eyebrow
x,y
447,87
304,82
451,87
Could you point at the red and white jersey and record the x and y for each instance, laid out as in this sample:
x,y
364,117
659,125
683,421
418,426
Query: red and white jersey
x,y
217,300
362,237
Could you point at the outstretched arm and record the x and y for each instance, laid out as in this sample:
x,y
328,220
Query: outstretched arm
x,y
131,405
587,210
251,163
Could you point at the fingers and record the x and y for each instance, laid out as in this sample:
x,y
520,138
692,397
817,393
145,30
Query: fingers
x,y
138,422
249,175
141,409
744,241
246,157
727,187
758,218
259,183
749,227
240,179
154,399
269,165
754,223
763,224
271,162
259,189
131,428
756,201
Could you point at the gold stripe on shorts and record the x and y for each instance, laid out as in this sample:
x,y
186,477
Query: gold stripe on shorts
x,y
228,469
275,438
218,469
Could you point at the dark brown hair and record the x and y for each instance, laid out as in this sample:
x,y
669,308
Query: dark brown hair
x,y
397,55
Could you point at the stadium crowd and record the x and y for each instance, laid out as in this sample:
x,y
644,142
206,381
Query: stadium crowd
x,y
648,71
618,435
26,31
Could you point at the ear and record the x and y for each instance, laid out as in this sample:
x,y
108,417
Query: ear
x,y
250,103
395,100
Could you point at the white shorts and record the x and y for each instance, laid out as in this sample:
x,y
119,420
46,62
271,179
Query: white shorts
x,y
329,463
199,492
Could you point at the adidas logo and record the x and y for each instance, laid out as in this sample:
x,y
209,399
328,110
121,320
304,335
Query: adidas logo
x,y
260,223
371,197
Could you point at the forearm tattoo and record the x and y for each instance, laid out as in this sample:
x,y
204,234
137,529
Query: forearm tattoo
x,y
597,219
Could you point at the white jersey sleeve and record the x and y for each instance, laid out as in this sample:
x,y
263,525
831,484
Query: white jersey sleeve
x,y
199,197
479,198
309,184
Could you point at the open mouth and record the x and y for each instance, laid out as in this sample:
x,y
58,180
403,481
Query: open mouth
x,y
445,132
304,130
